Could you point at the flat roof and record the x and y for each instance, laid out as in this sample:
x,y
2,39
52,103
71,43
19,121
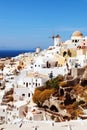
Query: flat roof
x,y
19,103
3,107
48,125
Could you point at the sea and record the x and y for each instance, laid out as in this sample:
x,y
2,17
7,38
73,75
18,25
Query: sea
x,y
13,53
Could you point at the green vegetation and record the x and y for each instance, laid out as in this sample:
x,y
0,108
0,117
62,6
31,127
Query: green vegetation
x,y
43,93
55,82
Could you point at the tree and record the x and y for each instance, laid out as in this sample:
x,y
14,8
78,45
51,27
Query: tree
x,y
40,96
44,95
36,95
63,84
60,78
54,83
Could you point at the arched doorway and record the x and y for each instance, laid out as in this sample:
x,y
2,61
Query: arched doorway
x,y
45,107
53,108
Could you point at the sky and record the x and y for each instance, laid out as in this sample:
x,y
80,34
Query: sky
x,y
27,24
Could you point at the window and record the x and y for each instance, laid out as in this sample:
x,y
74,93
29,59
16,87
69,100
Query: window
x,y
3,110
72,40
28,94
12,77
35,65
38,84
8,119
29,83
23,94
75,40
26,84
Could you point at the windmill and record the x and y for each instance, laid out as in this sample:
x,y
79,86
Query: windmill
x,y
56,39
53,36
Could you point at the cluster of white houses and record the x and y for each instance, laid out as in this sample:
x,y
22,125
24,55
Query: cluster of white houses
x,y
35,71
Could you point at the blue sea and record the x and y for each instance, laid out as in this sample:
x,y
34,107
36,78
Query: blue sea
x,y
13,53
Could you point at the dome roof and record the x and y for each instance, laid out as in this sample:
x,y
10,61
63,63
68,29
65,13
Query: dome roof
x,y
77,34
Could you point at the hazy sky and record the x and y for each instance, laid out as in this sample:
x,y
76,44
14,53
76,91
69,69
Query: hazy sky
x,y
27,24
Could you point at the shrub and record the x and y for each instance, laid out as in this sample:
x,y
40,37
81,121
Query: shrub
x,y
63,84
60,78
75,105
40,96
53,83
36,95
44,95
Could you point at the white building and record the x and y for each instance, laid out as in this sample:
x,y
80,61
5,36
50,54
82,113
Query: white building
x,y
3,113
49,62
39,65
22,93
57,40
77,39
25,86
16,111
77,62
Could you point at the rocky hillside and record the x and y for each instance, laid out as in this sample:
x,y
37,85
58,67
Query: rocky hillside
x,y
71,95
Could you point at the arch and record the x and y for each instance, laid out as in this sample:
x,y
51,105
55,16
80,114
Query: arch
x,y
54,108
64,53
45,107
